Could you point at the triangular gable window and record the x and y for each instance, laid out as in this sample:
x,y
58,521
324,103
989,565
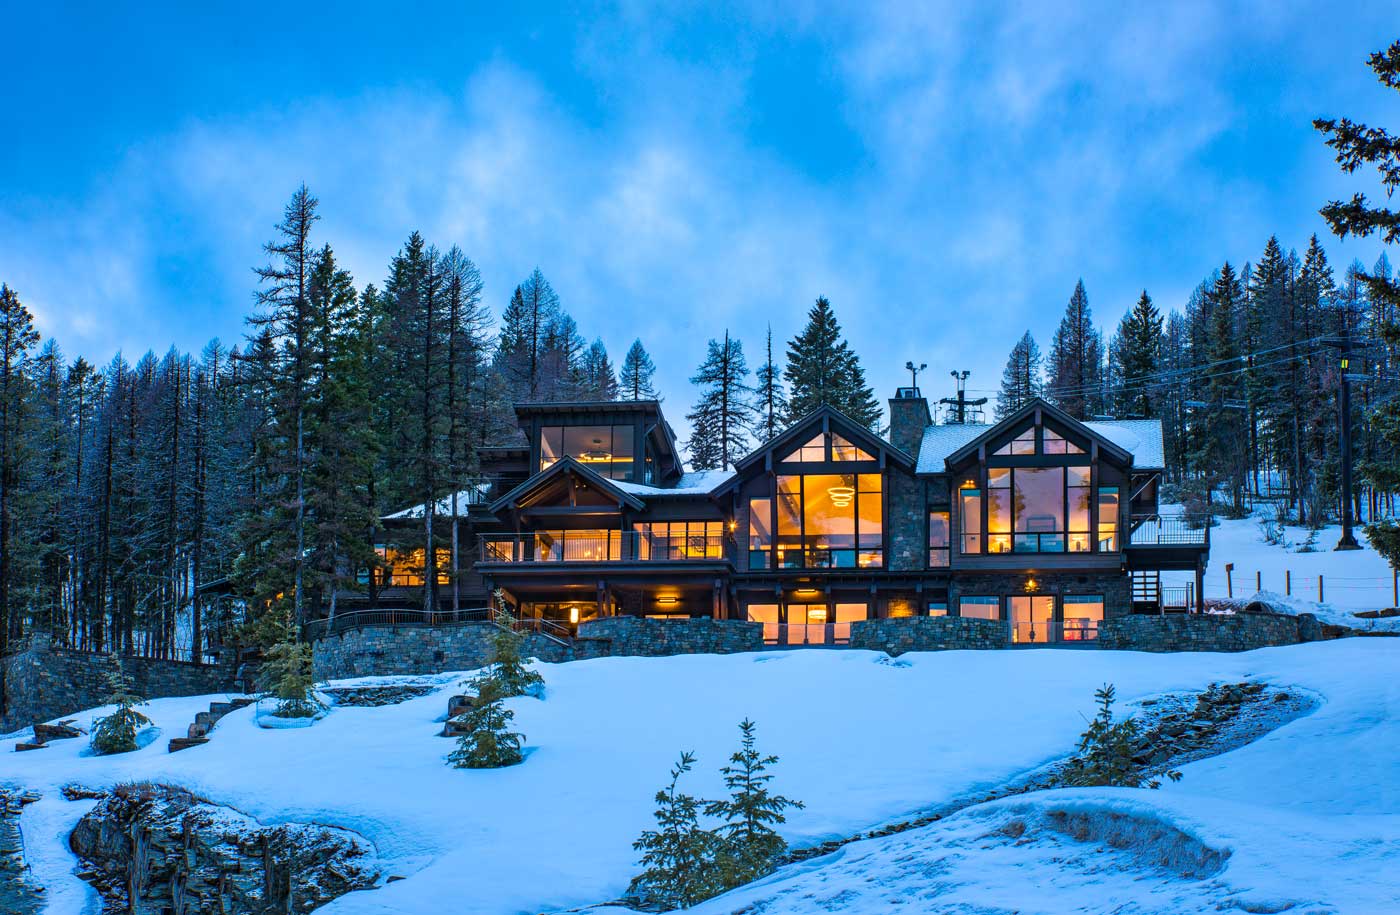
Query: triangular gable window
x,y
813,452
842,450
1021,444
1056,444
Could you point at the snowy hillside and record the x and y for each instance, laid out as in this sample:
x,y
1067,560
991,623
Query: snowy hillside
x,y
1309,814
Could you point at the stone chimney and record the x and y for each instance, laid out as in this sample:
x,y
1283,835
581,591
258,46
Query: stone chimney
x,y
909,416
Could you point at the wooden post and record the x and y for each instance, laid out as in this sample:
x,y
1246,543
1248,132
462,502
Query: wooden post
x,y
1259,581
1319,589
1229,579
1395,588
1288,582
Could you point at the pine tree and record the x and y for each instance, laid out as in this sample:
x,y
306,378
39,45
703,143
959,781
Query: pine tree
x,y
116,733
770,398
637,371
486,741
599,382
678,856
822,370
1020,380
1137,357
1106,751
17,338
1076,358
523,350
750,845
724,413
286,674
508,675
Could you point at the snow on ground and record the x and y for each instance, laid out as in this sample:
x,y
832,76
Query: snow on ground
x,y
1352,579
863,740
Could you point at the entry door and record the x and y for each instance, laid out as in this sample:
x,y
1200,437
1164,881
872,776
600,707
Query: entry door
x,y
806,624
1033,619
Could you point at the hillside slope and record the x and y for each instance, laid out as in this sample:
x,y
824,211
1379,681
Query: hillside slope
x,y
1309,813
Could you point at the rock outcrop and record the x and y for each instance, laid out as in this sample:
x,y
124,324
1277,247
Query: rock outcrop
x,y
156,849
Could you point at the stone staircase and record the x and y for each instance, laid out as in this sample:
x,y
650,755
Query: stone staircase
x,y
204,722
43,733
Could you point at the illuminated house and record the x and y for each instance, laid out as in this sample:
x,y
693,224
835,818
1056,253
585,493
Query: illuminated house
x,y
1042,521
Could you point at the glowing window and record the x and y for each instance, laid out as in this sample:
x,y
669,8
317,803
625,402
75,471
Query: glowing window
x,y
981,608
842,450
813,451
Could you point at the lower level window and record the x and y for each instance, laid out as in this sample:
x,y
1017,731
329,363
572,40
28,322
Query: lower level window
x,y
938,608
982,608
1082,614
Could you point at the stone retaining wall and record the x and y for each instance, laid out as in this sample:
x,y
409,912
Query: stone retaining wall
x,y
383,650
1207,632
44,682
927,633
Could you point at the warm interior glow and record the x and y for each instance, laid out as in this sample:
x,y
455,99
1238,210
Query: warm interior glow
x,y
841,496
573,615
666,600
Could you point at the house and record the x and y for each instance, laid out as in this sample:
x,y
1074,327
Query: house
x,y
1039,520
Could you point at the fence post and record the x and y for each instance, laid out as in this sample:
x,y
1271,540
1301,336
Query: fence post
x,y
1288,582
1229,579
1319,589
1259,581
1395,587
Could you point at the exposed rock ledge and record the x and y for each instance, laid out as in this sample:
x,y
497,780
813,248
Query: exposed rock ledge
x,y
155,849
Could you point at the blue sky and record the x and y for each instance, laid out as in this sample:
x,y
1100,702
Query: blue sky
x,y
943,172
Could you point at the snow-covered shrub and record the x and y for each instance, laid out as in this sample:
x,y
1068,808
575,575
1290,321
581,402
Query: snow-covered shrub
x,y
116,733
1107,750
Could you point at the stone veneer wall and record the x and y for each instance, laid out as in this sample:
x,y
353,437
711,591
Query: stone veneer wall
x,y
927,633
1207,632
384,650
43,681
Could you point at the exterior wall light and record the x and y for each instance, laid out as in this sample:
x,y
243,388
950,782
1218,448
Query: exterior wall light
x,y
1032,585
573,615
665,600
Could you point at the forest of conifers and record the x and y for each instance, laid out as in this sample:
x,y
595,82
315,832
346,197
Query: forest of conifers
x,y
258,471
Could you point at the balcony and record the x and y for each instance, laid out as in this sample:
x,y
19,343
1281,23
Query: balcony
x,y
1179,531
603,547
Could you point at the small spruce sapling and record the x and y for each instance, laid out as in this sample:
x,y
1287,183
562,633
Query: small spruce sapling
x,y
749,844
512,676
487,741
678,856
287,675
1106,751
116,733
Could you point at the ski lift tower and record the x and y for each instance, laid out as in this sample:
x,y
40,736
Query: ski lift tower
x,y
959,409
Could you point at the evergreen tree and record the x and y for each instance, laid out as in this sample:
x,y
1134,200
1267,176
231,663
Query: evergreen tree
x,y
1020,380
1107,750
1076,358
508,674
17,338
724,413
770,398
822,370
637,371
750,845
1137,356
286,674
1221,444
599,382
678,856
524,348
486,741
116,733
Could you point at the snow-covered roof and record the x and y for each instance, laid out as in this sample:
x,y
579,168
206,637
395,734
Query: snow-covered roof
x,y
473,495
1142,438
693,483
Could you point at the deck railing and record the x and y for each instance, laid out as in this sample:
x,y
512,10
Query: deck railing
x,y
1054,632
796,635
615,546
1180,530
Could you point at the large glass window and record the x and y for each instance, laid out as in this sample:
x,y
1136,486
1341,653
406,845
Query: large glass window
x,y
1024,443
767,614
999,510
1056,444
814,450
1032,618
405,568
760,533
830,520
1108,518
1077,490
673,540
1039,509
970,515
938,540
982,608
605,449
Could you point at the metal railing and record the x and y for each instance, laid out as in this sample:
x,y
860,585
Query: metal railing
x,y
395,617
615,546
1155,530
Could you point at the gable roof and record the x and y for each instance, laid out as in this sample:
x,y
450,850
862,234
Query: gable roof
x,y
562,466
473,495
1140,439
799,431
